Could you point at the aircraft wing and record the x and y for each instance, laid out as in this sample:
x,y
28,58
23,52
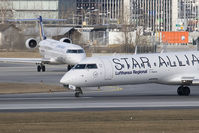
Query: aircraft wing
x,y
21,60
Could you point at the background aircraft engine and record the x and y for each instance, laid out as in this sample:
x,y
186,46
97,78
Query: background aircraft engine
x,y
67,40
31,43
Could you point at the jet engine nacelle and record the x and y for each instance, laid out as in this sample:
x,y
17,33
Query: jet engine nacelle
x,y
31,43
66,40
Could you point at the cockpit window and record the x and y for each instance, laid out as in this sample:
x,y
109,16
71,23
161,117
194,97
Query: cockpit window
x,y
71,51
80,51
86,66
91,66
80,66
75,51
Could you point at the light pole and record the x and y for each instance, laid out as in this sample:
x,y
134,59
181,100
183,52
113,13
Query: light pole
x,y
84,13
14,12
96,15
185,15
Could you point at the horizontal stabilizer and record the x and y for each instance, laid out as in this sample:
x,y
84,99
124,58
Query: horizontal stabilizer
x,y
36,19
21,60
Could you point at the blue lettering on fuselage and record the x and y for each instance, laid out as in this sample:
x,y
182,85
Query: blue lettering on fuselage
x,y
140,72
139,65
123,73
131,72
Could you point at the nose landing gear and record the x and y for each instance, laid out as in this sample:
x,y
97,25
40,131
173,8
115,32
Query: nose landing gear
x,y
78,91
183,91
70,67
41,67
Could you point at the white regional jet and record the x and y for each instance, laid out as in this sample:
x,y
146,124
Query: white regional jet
x,y
53,52
180,68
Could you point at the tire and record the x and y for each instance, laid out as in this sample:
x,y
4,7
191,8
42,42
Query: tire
x,y
77,94
43,68
69,67
183,91
180,91
38,68
186,91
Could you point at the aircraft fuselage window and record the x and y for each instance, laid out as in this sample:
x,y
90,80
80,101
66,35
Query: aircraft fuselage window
x,y
80,51
80,66
87,66
75,51
91,66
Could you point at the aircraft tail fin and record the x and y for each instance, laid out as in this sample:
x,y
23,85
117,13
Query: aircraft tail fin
x,y
41,28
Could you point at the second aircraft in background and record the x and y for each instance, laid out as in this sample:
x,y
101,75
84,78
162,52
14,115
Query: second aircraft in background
x,y
52,51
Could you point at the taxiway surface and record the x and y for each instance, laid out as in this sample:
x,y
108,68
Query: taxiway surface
x,y
145,96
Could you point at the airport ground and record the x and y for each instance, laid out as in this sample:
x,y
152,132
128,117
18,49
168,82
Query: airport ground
x,y
147,108
134,121
20,54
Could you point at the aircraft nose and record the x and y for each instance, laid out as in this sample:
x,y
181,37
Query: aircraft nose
x,y
65,79
80,58
75,59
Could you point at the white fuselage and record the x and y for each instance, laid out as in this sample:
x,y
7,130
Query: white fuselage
x,y
56,52
163,68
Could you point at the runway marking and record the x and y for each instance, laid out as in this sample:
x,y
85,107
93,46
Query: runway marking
x,y
51,98
91,105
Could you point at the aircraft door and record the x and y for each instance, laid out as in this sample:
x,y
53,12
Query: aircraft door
x,y
107,69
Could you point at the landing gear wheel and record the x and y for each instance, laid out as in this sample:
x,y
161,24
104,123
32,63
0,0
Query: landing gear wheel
x,y
183,91
78,91
186,91
38,68
77,94
180,91
43,68
69,67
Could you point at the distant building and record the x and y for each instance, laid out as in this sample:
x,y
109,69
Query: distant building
x,y
11,37
91,12
67,8
188,15
165,15
25,9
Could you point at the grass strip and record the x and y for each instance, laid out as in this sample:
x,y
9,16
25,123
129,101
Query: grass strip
x,y
153,121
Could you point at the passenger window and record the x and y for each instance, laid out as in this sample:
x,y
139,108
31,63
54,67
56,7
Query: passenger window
x,y
91,66
80,51
71,51
80,66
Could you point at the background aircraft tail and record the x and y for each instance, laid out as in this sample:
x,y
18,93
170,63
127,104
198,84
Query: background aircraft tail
x,y
41,28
